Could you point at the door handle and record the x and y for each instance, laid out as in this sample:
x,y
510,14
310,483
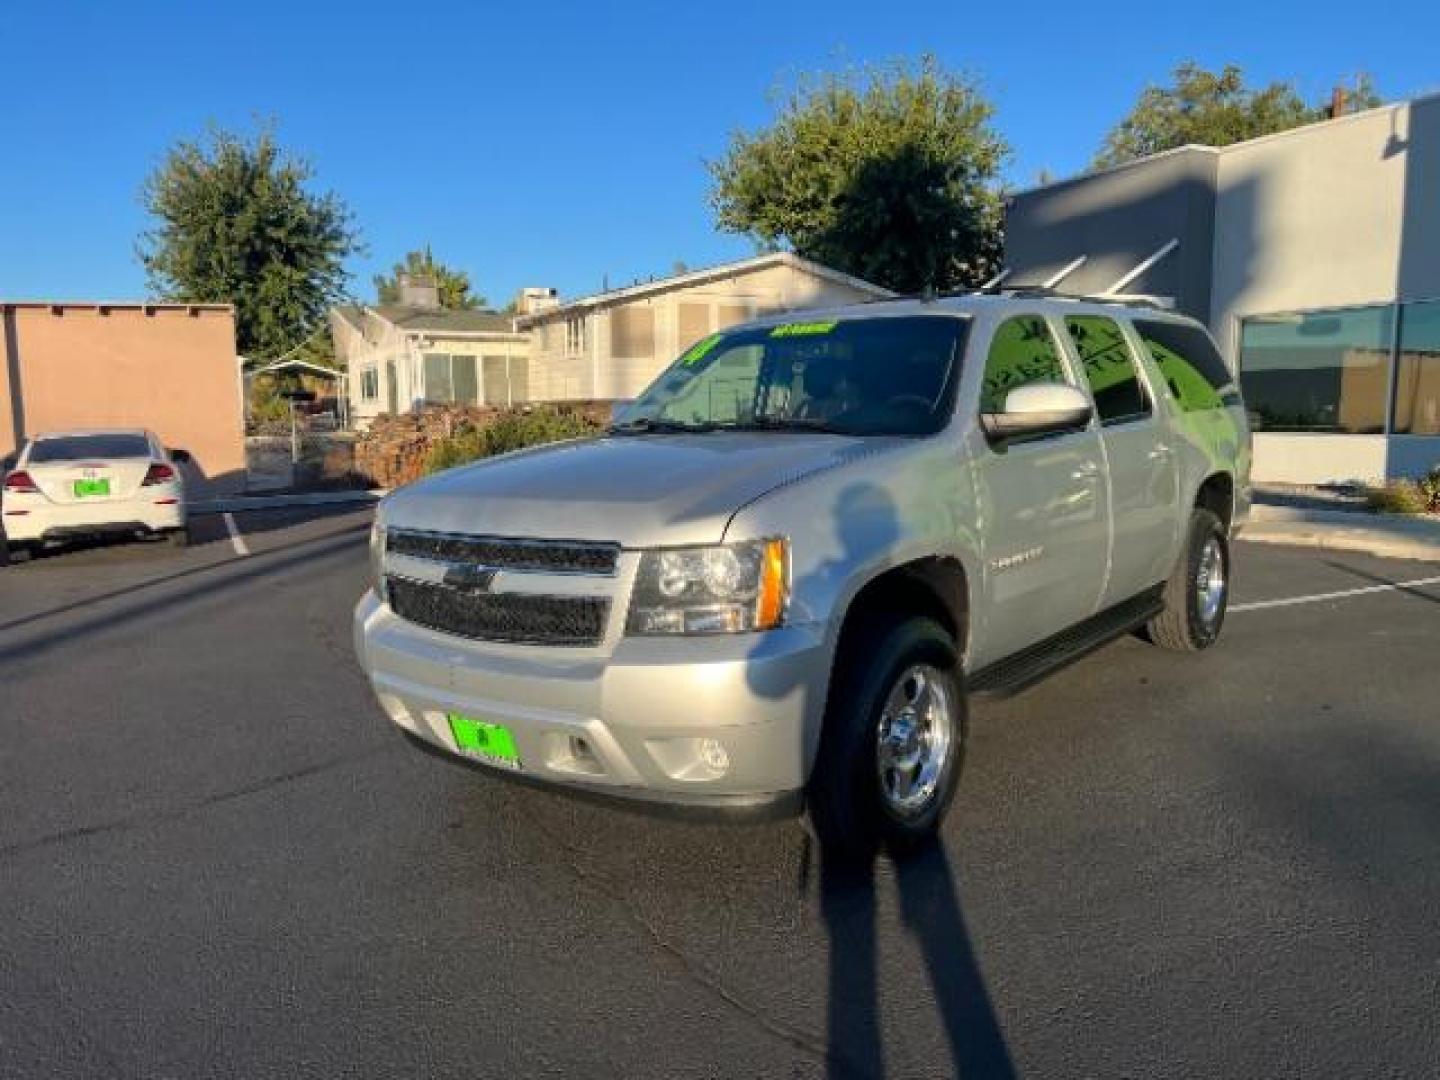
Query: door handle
x,y
1086,470
1159,452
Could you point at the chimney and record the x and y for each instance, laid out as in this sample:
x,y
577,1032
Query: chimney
x,y
535,298
419,291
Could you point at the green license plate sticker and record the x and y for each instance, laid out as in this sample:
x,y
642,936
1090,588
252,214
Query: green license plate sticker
x,y
488,742
89,489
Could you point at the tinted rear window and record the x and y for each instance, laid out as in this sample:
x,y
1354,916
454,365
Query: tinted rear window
x,y
86,447
1190,363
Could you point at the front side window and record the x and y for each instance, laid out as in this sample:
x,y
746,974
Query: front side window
x,y
1109,369
1023,351
1322,371
878,376
1417,379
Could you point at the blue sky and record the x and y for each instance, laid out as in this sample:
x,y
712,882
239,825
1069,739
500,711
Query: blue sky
x,y
555,143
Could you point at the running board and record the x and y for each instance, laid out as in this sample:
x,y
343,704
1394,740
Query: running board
x,y
1024,669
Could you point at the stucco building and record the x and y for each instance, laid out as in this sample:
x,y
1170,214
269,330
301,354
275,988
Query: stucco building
x,y
171,368
1314,257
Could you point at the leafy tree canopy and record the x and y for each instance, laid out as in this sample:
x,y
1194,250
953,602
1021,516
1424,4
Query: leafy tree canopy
x,y
454,285
886,173
1215,109
236,223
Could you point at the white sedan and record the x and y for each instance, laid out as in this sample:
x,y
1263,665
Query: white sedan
x,y
94,482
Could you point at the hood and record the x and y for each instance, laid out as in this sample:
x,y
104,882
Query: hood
x,y
635,490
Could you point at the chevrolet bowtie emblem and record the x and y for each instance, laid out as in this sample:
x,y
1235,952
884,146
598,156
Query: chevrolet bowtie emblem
x,y
465,577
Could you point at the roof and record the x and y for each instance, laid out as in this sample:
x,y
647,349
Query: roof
x,y
440,321
699,277
118,305
68,433
300,365
1190,148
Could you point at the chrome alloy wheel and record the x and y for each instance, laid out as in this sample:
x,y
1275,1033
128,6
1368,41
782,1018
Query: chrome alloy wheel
x,y
1210,581
915,739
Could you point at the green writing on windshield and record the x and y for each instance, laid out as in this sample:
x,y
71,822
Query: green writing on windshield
x,y
801,329
700,349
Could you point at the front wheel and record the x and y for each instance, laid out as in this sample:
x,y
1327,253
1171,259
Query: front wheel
x,y
894,740
179,538
1198,591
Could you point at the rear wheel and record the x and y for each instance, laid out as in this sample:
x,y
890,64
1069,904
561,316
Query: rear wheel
x,y
13,551
1198,591
894,740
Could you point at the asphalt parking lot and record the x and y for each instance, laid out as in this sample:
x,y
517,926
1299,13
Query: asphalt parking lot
x,y
216,859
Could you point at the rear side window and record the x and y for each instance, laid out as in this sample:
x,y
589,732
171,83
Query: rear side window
x,y
1190,364
1022,352
86,447
1109,368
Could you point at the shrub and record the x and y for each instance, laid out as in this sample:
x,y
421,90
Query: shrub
x,y
1397,497
1429,486
510,430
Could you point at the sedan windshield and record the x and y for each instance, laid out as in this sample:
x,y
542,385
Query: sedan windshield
x,y
874,376
86,447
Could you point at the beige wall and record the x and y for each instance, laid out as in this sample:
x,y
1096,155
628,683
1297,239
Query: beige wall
x,y
680,317
172,370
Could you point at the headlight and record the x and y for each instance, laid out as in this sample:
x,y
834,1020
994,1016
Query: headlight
x,y
724,589
377,559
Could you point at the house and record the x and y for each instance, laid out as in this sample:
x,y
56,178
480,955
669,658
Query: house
x,y
612,345
1314,257
401,357
168,367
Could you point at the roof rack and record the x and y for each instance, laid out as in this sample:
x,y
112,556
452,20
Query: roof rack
x,y
1159,303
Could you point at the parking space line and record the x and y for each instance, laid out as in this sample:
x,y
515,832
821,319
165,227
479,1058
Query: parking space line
x,y
236,540
1342,594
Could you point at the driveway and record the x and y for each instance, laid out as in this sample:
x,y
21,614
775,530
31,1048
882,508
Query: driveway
x,y
215,858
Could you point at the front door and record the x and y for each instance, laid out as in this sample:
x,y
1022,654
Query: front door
x,y
1042,504
1138,454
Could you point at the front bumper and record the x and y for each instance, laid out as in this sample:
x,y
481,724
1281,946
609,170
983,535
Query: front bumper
x,y
630,719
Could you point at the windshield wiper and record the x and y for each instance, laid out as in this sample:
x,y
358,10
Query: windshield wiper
x,y
789,423
644,425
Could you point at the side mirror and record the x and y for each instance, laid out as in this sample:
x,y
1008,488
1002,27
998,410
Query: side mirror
x,y
1038,409
180,457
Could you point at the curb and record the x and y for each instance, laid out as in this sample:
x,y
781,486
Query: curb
x,y
1345,530
285,502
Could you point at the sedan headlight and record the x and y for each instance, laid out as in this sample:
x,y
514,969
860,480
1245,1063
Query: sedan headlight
x,y
722,589
377,560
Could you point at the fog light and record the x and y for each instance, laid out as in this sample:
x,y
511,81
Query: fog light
x,y
714,755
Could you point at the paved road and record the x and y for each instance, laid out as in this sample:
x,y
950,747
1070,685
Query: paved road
x,y
215,860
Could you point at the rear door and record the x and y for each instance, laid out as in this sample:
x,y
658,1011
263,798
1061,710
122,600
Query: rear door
x,y
1139,456
1042,503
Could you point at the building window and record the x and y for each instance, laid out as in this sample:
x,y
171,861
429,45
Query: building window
x,y
1109,369
574,335
369,384
1323,371
438,384
632,332
1417,376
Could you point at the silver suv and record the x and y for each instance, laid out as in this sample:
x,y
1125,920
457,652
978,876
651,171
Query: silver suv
x,y
775,579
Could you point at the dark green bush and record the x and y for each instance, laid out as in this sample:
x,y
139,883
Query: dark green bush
x,y
507,431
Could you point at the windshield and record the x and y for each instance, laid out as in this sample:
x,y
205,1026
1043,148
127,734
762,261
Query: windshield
x,y
84,447
875,376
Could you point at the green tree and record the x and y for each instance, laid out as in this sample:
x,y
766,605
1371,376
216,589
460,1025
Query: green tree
x,y
237,223
1215,109
886,173
454,285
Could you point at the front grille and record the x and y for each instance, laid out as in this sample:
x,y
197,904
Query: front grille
x,y
505,553
518,618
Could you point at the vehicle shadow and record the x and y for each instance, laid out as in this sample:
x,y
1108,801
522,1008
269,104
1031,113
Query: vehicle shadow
x,y
1379,579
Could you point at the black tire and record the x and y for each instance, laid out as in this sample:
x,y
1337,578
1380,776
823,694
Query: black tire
x,y
14,551
850,816
179,538
1185,625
